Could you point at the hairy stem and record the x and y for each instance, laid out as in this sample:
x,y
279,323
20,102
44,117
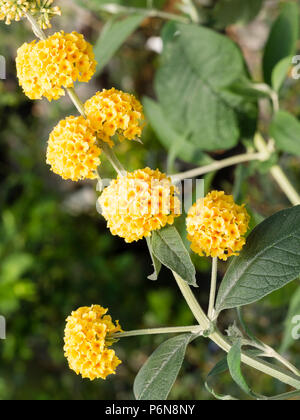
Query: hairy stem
x,y
170,330
218,338
213,289
116,9
215,166
278,174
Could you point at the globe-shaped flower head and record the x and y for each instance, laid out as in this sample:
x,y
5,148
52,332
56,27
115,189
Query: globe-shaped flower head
x,y
139,203
72,151
87,341
216,226
46,67
113,112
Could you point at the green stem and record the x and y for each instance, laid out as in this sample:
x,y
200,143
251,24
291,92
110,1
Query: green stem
x,y
217,337
213,289
215,166
35,27
76,101
116,9
278,174
111,156
172,330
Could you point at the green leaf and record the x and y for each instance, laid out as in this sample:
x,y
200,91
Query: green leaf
x,y
248,89
113,36
156,263
195,69
234,359
280,72
169,249
228,12
156,378
269,261
294,311
285,129
170,139
283,39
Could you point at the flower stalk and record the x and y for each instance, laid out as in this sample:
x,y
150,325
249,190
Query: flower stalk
x,y
224,163
217,337
278,174
213,290
195,329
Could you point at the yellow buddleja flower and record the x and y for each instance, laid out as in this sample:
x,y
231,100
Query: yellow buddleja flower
x,y
216,226
139,203
45,68
87,341
72,151
16,9
113,112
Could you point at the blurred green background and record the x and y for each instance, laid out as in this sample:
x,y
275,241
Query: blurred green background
x,y
56,253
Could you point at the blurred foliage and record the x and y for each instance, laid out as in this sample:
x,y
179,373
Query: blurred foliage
x,y
55,251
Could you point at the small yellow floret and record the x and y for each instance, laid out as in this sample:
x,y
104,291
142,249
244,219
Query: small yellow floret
x,y
72,150
114,112
216,226
45,68
87,338
139,203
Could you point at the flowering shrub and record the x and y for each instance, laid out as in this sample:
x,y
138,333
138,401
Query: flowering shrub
x,y
197,64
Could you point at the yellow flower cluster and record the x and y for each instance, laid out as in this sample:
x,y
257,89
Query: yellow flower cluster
x,y
15,10
44,68
72,149
216,226
114,112
86,343
138,203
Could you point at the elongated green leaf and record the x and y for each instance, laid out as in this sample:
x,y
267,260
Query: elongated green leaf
x,y
283,38
269,261
220,367
292,322
196,67
169,249
156,378
169,138
156,263
228,12
285,129
234,360
113,36
280,72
